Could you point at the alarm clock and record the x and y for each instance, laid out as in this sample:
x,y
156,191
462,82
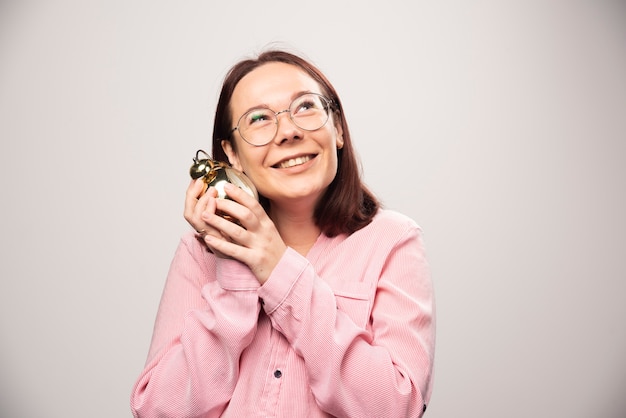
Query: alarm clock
x,y
217,174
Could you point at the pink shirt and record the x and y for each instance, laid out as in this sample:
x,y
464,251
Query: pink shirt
x,y
347,331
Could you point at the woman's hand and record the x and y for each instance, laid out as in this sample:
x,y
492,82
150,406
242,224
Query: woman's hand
x,y
255,242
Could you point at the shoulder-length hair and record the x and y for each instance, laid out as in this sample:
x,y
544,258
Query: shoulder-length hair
x,y
347,205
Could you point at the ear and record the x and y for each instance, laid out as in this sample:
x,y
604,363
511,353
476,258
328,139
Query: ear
x,y
339,131
231,154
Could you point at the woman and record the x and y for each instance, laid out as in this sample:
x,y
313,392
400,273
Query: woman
x,y
317,302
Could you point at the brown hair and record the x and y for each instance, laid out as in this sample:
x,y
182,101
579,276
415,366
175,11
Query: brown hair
x,y
347,205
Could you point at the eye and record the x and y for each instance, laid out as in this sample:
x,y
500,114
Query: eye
x,y
257,117
307,103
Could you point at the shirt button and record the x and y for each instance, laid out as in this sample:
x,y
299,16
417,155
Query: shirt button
x,y
278,374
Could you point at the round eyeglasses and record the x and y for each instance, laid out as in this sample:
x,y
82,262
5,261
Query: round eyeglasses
x,y
309,111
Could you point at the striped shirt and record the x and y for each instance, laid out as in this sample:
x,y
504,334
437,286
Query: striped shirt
x,y
347,331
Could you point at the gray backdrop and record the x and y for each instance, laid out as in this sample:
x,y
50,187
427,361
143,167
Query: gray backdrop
x,y
499,126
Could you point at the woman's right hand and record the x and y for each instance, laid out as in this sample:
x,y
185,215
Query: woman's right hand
x,y
197,201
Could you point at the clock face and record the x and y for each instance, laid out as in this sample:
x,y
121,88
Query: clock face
x,y
242,181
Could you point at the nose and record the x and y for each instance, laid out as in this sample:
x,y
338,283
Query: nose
x,y
287,130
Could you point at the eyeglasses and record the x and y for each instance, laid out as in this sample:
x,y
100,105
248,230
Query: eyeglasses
x,y
309,111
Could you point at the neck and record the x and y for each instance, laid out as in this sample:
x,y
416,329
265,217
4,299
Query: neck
x,y
297,229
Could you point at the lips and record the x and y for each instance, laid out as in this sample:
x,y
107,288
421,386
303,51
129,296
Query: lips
x,y
292,162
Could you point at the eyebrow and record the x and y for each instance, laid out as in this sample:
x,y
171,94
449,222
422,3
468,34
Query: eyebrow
x,y
266,106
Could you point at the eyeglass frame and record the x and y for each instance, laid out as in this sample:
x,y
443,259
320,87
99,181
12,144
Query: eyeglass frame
x,y
330,106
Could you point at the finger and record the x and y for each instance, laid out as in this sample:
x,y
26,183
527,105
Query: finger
x,y
204,201
223,221
196,188
194,208
224,248
240,196
240,205
235,212
194,191
206,205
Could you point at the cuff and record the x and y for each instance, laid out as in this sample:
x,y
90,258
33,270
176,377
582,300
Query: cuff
x,y
234,275
283,279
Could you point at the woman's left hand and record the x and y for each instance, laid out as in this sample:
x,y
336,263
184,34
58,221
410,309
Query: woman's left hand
x,y
256,242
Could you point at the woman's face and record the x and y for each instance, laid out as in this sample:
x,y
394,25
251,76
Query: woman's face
x,y
297,165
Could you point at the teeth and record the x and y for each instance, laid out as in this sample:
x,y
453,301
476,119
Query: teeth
x,y
294,161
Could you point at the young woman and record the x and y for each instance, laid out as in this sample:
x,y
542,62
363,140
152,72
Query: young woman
x,y
317,302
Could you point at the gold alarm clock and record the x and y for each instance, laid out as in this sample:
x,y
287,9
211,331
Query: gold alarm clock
x,y
217,174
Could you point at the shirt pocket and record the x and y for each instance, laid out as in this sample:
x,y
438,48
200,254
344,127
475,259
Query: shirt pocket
x,y
354,300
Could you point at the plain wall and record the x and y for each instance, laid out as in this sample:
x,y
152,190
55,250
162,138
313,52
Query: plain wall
x,y
499,126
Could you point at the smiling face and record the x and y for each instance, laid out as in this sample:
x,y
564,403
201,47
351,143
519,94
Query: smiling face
x,y
297,165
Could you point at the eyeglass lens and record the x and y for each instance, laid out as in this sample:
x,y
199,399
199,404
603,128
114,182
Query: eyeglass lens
x,y
308,111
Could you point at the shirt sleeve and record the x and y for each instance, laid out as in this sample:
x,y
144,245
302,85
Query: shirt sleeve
x,y
203,324
384,369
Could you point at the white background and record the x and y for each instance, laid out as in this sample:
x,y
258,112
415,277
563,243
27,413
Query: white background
x,y
499,126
